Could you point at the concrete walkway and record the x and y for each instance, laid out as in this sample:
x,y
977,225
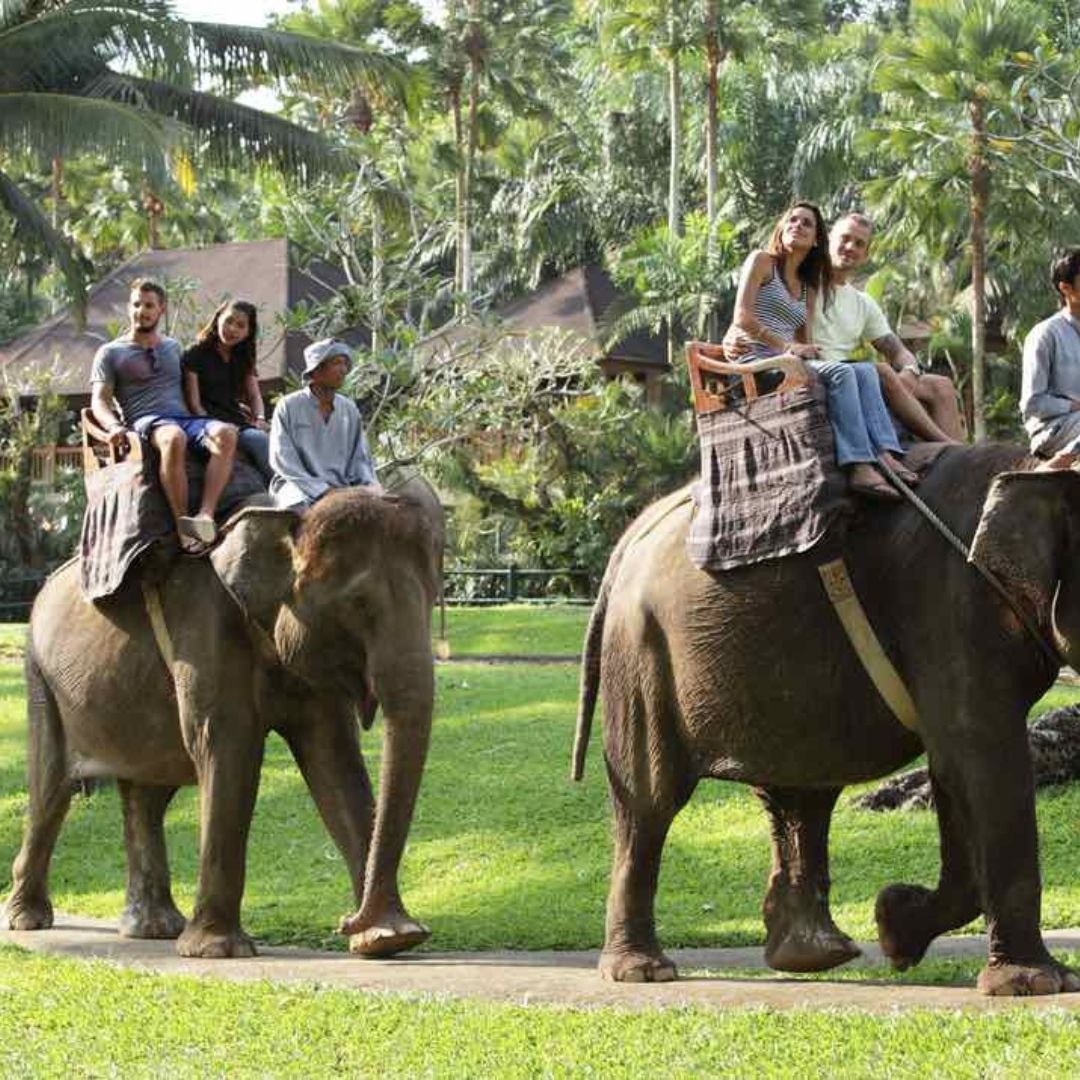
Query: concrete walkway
x,y
562,978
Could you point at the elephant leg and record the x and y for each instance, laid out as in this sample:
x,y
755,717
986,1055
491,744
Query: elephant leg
x,y
909,917
326,747
987,776
49,789
632,950
801,934
150,911
226,746
404,683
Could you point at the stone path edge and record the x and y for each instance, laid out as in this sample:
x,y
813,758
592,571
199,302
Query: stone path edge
x,y
551,978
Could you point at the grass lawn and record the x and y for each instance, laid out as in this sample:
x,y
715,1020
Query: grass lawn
x,y
64,1018
518,629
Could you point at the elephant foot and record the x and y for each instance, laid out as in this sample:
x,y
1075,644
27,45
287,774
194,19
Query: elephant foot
x,y
806,949
905,926
198,942
1002,979
161,922
385,936
636,966
24,912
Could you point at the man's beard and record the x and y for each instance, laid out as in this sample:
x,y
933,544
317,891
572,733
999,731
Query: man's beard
x,y
140,328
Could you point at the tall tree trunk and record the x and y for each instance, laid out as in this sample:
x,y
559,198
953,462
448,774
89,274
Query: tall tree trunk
x,y
475,46
376,279
460,224
713,57
979,175
675,121
56,300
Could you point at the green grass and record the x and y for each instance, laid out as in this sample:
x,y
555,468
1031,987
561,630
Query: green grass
x,y
505,851
64,1018
515,629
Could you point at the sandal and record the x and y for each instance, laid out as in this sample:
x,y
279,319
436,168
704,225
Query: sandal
x,y
201,527
193,547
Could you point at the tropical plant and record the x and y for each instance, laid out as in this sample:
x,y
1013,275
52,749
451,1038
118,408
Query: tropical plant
x,y
124,77
950,72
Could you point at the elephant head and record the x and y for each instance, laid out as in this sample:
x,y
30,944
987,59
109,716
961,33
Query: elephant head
x,y
1029,538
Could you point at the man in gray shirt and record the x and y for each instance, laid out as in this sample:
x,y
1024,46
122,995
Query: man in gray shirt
x,y
317,440
1050,387
136,384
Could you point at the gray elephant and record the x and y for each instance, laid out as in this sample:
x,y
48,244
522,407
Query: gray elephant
x,y
292,626
748,676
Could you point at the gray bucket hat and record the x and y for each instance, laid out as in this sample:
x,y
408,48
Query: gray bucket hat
x,y
318,351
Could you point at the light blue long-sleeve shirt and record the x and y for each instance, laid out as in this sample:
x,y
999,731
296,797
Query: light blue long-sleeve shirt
x,y
1051,375
310,453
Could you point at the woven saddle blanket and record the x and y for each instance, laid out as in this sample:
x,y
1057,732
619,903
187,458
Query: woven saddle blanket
x,y
127,515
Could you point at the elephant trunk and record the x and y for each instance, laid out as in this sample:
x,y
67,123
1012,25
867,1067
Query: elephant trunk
x,y
405,685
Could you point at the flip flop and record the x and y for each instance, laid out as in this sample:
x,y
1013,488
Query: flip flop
x,y
881,491
193,548
200,527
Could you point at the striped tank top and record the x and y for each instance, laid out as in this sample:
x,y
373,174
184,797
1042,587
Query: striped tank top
x,y
777,310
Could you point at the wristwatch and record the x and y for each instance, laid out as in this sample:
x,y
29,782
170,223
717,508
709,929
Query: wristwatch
x,y
916,369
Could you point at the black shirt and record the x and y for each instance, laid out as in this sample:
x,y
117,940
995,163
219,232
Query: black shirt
x,y
221,383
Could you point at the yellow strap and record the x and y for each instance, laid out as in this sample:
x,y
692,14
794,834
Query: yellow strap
x,y
152,599
864,641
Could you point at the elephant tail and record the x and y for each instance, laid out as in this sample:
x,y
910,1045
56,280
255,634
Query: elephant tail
x,y
590,678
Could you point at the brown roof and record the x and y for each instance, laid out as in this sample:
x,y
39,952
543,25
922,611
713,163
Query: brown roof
x,y
197,279
578,302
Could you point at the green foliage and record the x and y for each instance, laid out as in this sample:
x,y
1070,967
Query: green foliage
x,y
40,528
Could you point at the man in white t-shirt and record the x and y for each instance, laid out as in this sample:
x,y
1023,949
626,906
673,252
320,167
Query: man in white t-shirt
x,y
926,404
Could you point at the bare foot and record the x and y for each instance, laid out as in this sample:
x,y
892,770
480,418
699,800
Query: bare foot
x,y
1065,460
899,468
864,479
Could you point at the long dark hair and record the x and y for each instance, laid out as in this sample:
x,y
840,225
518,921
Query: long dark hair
x,y
815,271
242,357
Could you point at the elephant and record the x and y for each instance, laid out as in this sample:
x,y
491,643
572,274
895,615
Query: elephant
x,y
295,624
747,675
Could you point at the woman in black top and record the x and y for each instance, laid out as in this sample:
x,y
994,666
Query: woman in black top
x,y
220,378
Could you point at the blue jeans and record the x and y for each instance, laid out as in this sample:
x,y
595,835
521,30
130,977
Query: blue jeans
x,y
862,427
256,444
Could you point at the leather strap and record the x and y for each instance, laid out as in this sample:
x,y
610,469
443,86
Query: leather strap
x,y
864,641
152,600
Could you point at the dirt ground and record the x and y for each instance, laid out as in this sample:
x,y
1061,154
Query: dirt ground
x,y
563,978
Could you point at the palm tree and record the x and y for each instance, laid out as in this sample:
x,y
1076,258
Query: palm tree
x,y
635,31
123,76
950,74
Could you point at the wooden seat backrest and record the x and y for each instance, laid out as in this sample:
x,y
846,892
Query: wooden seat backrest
x,y
706,361
98,451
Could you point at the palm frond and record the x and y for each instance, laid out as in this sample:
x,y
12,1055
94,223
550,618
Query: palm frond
x,y
231,134
31,225
237,56
61,125
81,35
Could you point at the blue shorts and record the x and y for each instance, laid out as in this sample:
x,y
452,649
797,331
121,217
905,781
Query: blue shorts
x,y
196,428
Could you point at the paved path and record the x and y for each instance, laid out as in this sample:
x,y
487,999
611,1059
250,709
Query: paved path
x,y
565,978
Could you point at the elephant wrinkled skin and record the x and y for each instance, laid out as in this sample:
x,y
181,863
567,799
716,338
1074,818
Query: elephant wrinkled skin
x,y
748,676
290,626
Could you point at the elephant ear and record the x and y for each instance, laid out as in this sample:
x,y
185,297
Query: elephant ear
x,y
1021,538
254,561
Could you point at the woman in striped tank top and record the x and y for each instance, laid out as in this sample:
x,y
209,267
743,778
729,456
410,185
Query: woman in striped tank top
x,y
778,290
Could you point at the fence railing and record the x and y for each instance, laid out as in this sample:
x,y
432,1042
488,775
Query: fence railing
x,y
47,461
496,585
518,585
